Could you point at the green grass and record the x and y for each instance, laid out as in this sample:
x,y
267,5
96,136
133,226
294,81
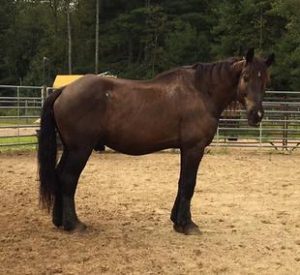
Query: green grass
x,y
6,141
18,149
21,121
7,147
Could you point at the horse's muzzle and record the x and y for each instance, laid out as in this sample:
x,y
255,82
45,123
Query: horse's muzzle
x,y
255,116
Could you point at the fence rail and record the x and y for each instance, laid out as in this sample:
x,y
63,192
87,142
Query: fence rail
x,y
280,129
19,110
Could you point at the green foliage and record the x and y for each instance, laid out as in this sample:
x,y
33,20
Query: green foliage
x,y
13,141
288,47
139,39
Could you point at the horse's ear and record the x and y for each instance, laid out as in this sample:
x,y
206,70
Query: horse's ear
x,y
270,59
250,55
238,66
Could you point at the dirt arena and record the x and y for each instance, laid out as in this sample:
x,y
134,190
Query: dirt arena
x,y
247,205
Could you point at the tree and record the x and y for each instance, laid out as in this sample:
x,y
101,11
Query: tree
x,y
7,13
97,36
142,38
287,71
67,9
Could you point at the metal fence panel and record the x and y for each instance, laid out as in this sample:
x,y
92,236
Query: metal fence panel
x,y
19,110
280,128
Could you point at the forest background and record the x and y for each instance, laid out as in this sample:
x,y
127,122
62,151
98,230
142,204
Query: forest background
x,y
139,38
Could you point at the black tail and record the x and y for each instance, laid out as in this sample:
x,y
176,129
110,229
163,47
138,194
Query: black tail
x,y
47,152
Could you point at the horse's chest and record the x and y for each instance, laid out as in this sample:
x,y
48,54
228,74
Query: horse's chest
x,y
201,129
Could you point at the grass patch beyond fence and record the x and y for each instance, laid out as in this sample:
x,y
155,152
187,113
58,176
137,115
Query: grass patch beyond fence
x,y
14,141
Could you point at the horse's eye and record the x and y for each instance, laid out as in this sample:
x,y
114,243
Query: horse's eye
x,y
246,78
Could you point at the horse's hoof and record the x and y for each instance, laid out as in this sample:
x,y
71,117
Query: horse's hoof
x,y
188,229
80,227
57,222
77,227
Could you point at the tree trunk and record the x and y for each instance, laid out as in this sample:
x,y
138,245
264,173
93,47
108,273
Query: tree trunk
x,y
69,38
97,37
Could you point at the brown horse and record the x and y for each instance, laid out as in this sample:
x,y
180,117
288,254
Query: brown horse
x,y
179,108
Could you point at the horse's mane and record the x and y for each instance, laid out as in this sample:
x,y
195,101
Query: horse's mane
x,y
215,68
200,68
171,73
212,73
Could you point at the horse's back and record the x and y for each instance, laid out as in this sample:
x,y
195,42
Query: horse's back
x,y
130,116
124,113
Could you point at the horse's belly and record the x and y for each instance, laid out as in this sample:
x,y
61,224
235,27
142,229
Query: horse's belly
x,y
137,151
139,144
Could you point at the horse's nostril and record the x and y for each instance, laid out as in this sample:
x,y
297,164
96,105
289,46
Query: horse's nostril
x,y
259,114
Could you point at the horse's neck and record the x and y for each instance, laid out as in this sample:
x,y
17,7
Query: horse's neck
x,y
222,88
222,97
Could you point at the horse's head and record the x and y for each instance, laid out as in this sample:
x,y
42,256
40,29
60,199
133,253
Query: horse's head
x,y
253,78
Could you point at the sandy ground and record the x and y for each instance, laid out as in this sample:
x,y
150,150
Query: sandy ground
x,y
246,204
12,132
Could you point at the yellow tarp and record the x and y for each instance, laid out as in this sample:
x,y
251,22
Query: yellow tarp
x,y
63,80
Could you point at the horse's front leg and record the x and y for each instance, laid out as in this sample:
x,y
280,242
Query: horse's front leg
x,y
181,212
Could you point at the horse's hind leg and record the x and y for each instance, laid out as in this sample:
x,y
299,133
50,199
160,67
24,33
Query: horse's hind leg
x,y
68,175
57,213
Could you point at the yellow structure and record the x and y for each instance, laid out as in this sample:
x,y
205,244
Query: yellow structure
x,y
63,80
